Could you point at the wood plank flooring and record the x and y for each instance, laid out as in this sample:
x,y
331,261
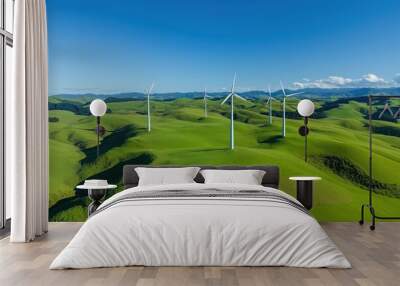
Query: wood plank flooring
x,y
375,257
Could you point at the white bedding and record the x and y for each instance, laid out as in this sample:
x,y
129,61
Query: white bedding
x,y
200,231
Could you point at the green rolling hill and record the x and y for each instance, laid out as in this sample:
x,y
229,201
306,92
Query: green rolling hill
x,y
338,146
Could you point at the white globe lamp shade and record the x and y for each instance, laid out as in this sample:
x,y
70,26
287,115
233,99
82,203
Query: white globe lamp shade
x,y
305,108
98,107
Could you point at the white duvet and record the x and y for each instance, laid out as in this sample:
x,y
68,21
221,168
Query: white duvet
x,y
200,231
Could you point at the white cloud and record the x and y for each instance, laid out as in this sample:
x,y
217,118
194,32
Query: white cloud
x,y
298,85
330,82
334,81
372,78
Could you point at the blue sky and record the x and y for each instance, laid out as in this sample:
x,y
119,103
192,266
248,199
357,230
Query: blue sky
x,y
123,45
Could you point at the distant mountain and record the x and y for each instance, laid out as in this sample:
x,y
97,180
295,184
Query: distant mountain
x,y
325,93
348,92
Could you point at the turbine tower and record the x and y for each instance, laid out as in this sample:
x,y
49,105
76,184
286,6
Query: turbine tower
x,y
205,102
148,107
231,96
269,104
284,108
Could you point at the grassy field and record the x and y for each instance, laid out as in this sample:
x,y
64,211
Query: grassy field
x,y
338,148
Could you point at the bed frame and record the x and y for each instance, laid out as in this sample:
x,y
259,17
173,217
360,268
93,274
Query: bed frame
x,y
130,178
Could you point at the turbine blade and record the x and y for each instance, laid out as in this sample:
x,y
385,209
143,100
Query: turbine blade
x,y
390,110
296,93
269,90
383,111
226,98
238,96
397,114
268,100
283,89
233,83
150,89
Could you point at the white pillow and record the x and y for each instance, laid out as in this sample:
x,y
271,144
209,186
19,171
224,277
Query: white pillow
x,y
247,177
166,176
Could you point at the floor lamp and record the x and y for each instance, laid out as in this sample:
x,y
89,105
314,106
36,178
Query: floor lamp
x,y
369,206
98,108
305,108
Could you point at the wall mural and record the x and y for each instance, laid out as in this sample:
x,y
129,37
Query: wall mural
x,y
176,120
195,129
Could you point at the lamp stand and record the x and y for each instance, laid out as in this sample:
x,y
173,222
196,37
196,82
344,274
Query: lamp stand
x,y
98,135
305,138
303,131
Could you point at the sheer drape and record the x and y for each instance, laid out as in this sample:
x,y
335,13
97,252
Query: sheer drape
x,y
27,124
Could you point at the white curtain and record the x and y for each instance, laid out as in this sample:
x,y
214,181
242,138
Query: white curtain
x,y
27,124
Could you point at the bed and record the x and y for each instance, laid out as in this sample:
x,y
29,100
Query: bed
x,y
198,224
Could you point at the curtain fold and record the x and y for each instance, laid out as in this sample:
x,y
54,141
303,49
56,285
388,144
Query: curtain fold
x,y
27,122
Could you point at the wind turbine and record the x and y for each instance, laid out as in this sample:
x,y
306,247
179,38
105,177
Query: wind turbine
x,y
284,108
148,107
231,96
205,102
269,104
386,107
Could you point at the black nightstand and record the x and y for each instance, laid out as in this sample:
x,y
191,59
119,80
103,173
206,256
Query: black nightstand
x,y
305,190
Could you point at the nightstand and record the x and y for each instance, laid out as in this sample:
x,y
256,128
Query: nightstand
x,y
96,194
305,190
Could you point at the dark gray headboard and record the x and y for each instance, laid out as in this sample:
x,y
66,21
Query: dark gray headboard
x,y
271,179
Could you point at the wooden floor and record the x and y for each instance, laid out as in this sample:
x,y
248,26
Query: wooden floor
x,y
375,257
